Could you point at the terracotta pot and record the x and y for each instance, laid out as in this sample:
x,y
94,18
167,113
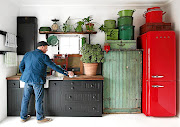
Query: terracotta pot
x,y
90,69
89,27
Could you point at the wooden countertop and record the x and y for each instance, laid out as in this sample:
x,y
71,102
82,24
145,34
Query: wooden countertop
x,y
80,77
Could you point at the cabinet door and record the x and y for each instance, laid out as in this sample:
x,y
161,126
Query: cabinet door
x,y
52,99
27,34
162,98
122,71
161,56
14,99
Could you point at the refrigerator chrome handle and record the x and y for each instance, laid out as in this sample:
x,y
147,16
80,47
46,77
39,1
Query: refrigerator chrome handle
x,y
157,76
157,86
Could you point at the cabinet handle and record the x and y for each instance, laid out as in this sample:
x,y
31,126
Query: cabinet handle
x,y
120,44
157,76
70,96
72,83
94,97
157,86
92,85
72,88
14,84
93,108
69,108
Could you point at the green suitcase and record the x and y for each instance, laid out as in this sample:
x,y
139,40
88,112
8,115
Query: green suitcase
x,y
122,44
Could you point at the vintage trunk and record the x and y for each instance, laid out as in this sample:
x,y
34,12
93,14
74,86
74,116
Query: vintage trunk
x,y
122,71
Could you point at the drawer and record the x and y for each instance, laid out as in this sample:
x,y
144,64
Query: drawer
x,y
85,96
13,83
82,86
55,84
74,107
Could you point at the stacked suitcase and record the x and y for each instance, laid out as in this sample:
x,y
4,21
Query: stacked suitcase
x,y
111,31
123,37
125,25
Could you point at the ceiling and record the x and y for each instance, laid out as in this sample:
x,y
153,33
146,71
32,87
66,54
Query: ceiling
x,y
90,2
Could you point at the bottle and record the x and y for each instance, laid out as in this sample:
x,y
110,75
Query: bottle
x,y
83,39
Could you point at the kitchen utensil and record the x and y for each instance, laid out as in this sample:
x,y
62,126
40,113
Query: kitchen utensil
x,y
52,40
126,12
110,24
125,20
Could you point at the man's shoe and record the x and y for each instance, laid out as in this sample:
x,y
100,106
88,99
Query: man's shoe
x,y
44,120
28,117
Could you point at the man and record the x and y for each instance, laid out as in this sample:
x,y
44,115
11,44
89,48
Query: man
x,y
33,68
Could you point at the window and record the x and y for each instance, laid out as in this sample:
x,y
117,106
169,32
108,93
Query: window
x,y
69,44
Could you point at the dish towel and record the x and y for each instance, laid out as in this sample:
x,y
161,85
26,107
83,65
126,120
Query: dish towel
x,y
10,59
11,40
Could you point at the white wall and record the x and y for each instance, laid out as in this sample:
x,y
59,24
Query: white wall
x,y
172,15
8,14
99,13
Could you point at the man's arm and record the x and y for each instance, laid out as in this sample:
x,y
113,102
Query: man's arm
x,y
52,65
22,64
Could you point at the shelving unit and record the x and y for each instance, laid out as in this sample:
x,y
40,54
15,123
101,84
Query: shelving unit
x,y
53,32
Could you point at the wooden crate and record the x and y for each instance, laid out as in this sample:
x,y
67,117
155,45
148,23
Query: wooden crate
x,y
122,71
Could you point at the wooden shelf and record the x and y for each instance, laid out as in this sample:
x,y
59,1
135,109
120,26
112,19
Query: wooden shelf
x,y
52,32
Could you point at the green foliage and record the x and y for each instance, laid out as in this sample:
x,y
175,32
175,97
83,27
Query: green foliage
x,y
88,19
102,28
92,53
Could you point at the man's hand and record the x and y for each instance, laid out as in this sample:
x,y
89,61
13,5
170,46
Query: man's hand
x,y
70,73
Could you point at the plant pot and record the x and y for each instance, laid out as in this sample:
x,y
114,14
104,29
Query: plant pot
x,y
90,69
89,27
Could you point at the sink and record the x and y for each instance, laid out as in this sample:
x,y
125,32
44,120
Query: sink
x,y
46,85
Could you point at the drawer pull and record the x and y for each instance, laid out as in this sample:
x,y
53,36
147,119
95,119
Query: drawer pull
x,y
69,108
72,83
55,84
94,97
92,85
93,108
70,96
14,84
72,88
120,44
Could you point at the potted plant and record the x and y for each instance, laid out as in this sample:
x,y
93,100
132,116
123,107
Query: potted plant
x,y
89,24
91,56
79,26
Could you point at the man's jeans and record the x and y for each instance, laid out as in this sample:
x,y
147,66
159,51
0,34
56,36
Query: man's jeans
x,y
39,94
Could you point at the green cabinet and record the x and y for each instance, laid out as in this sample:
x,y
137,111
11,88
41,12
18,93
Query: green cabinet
x,y
122,72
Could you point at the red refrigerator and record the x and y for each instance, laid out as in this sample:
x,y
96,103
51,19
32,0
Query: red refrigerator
x,y
159,73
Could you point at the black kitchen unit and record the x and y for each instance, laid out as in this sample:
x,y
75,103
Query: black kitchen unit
x,y
61,98
15,94
27,30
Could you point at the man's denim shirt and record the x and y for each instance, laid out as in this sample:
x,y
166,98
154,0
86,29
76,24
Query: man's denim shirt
x,y
33,67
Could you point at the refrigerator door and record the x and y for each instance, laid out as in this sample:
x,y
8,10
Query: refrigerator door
x,y
161,56
161,98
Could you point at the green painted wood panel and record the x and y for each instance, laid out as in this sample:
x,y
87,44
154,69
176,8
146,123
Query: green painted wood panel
x,y
122,71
